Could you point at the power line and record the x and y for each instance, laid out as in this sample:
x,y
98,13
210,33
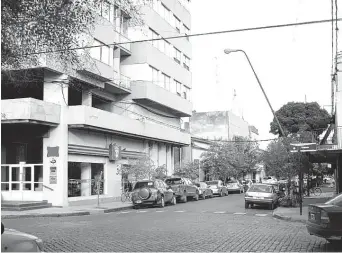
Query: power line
x,y
187,36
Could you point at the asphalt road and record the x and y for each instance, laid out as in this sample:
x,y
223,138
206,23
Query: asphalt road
x,y
218,224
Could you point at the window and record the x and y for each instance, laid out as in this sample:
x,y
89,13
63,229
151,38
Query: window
x,y
186,93
155,75
173,88
178,88
162,46
167,81
102,53
177,24
167,49
186,62
186,31
106,9
155,5
177,55
165,13
153,35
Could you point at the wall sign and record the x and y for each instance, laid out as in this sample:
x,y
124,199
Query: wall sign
x,y
53,175
114,152
53,151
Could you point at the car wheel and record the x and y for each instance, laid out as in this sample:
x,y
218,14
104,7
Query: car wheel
x,y
246,204
173,201
196,196
184,198
162,202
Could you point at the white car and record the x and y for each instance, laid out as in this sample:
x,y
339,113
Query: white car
x,y
15,241
269,180
235,186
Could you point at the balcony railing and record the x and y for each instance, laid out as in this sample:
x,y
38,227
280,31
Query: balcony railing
x,y
123,41
125,81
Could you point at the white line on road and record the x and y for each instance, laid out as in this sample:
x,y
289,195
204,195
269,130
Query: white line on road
x,y
160,211
261,214
219,212
124,212
179,211
141,211
240,213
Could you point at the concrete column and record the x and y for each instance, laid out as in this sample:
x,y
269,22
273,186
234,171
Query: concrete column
x,y
87,97
56,141
86,176
339,174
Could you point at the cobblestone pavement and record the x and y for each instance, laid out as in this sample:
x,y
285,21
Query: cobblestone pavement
x,y
219,224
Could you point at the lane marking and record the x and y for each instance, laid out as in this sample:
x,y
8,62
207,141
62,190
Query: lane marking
x,y
179,211
160,211
220,212
261,214
141,211
124,212
240,213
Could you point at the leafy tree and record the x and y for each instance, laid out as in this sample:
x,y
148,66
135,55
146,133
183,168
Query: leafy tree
x,y
142,168
189,170
306,119
160,172
30,26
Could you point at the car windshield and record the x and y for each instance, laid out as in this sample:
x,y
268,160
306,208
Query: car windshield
x,y
337,201
261,188
173,181
148,184
203,185
212,182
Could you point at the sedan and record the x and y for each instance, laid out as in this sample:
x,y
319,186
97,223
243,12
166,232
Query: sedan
x,y
235,186
15,241
261,194
218,188
204,190
324,220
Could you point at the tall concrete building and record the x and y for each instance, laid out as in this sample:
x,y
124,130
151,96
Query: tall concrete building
x,y
66,127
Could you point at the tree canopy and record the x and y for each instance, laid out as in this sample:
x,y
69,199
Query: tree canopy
x,y
30,26
188,170
303,118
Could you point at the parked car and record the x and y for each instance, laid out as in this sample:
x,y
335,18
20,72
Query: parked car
x,y
261,194
218,188
235,186
204,190
183,188
15,241
324,220
152,192
269,180
247,184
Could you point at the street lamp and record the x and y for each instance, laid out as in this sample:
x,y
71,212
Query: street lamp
x,y
228,51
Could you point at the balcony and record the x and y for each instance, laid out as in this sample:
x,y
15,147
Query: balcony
x,y
29,110
97,70
120,85
85,117
149,94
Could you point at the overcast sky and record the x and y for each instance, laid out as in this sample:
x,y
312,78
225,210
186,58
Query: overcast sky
x,y
290,62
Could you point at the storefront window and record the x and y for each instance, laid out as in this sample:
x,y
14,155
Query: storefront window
x,y
97,176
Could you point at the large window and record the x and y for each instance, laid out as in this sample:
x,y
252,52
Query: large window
x,y
178,88
165,13
186,93
186,62
155,75
102,52
177,55
177,24
167,49
167,81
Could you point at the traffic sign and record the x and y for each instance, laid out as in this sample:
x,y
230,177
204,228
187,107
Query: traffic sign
x,y
303,147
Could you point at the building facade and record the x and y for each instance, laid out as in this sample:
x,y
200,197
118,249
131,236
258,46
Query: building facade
x,y
68,128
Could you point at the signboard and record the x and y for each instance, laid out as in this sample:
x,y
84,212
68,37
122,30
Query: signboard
x,y
53,175
114,152
303,147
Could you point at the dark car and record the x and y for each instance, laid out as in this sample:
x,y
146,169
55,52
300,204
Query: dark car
x,y
152,192
204,190
325,220
183,188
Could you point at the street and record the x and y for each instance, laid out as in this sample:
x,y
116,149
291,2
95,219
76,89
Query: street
x,y
218,224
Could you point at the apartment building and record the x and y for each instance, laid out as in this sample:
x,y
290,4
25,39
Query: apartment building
x,y
66,128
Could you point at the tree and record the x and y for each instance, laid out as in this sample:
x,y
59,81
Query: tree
x,y
188,170
142,168
30,27
305,119
160,172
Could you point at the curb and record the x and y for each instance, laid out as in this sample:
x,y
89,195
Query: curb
x,y
287,218
44,215
81,213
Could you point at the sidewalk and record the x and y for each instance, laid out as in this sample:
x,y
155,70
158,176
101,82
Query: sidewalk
x,y
67,211
293,213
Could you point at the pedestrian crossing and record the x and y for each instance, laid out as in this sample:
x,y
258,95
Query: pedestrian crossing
x,y
204,212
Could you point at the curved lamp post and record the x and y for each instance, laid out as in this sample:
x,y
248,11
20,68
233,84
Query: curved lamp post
x,y
228,51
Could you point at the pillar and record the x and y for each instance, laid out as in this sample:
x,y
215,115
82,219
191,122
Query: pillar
x,y
338,177
85,177
87,97
57,142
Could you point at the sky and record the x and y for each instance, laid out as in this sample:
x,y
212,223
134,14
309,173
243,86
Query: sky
x,y
291,63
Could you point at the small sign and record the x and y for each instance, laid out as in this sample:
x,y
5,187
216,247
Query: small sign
x,y
114,152
53,179
53,161
303,147
53,151
53,175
